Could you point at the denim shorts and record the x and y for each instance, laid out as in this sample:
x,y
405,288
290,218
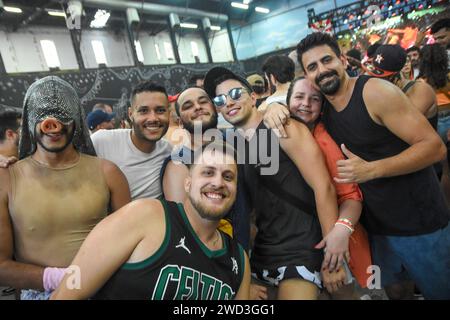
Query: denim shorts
x,y
443,124
424,259
31,294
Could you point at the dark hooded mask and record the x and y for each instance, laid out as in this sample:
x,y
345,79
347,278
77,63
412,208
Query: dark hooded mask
x,y
52,97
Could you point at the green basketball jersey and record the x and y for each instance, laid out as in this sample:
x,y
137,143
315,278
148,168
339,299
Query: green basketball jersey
x,y
183,268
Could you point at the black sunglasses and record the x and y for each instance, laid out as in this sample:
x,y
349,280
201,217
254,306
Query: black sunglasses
x,y
235,94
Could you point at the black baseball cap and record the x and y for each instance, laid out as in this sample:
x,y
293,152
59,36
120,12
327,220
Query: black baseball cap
x,y
387,60
209,84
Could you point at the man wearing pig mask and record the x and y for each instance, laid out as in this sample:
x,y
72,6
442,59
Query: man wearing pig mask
x,y
55,194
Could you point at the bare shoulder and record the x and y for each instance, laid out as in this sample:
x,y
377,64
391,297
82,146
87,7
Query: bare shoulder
x,y
382,98
298,135
108,167
5,180
378,88
296,127
138,215
175,168
263,107
421,88
149,211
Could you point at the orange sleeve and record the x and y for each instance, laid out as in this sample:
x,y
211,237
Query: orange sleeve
x,y
332,154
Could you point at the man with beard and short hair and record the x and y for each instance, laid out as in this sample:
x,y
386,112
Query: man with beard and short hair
x,y
441,32
198,115
414,56
390,148
153,249
279,71
140,152
54,196
9,142
9,131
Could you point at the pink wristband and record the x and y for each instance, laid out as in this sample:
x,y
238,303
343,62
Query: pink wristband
x,y
52,278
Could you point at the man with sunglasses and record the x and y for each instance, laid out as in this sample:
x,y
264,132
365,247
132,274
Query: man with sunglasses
x,y
293,205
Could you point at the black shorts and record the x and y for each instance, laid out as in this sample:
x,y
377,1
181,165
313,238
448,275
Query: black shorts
x,y
275,276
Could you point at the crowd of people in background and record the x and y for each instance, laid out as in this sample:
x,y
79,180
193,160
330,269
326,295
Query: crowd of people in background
x,y
171,199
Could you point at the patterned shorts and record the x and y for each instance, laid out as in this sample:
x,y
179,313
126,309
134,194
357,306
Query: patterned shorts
x,y
275,276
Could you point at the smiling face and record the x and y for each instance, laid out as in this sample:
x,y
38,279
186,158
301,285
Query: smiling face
x,y
149,115
212,184
236,112
305,102
196,109
324,69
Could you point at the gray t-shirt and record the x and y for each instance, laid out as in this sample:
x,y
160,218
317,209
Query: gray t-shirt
x,y
141,169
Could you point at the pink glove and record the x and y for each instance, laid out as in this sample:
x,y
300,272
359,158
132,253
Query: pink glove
x,y
53,277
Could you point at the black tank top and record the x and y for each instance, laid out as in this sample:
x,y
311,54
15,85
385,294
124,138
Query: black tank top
x,y
183,268
406,205
288,227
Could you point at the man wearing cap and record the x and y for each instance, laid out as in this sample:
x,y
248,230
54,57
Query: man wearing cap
x,y
140,151
389,61
294,206
257,83
99,119
54,196
390,148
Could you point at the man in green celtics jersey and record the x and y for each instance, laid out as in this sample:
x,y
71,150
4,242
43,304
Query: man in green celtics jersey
x,y
153,249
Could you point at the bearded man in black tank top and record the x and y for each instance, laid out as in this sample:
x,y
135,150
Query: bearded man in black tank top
x,y
390,148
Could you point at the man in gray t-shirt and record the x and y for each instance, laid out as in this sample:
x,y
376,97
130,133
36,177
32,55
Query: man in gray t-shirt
x,y
140,152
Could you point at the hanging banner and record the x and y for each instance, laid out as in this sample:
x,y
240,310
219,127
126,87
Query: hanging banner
x,y
322,26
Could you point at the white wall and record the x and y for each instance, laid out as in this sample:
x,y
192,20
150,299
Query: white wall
x,y
21,50
220,46
117,48
185,51
148,48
